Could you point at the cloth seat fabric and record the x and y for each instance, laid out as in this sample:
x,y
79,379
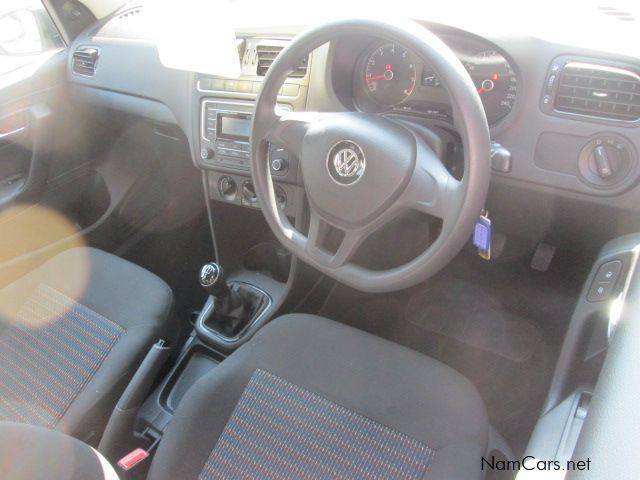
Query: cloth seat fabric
x,y
309,398
72,333
28,452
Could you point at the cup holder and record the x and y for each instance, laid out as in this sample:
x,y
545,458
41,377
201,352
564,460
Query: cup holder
x,y
270,259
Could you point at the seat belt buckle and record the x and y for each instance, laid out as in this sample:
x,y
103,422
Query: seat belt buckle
x,y
133,459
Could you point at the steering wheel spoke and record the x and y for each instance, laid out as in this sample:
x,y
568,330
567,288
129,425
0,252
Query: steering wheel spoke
x,y
289,128
432,189
319,230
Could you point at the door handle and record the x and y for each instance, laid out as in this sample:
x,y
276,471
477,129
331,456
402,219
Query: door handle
x,y
13,126
11,133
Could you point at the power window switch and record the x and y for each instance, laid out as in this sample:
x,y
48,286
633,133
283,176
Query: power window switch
x,y
599,292
604,281
609,272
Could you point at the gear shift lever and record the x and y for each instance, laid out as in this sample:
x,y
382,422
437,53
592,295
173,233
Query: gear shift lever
x,y
235,305
213,281
228,302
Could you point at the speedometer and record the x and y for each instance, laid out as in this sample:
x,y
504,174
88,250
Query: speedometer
x,y
390,74
496,82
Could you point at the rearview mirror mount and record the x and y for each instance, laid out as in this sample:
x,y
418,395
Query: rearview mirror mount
x,y
20,33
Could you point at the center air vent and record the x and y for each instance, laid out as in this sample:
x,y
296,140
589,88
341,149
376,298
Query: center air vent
x,y
266,54
85,60
598,91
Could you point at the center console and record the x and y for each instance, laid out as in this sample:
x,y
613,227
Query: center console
x,y
222,114
224,153
225,108
251,277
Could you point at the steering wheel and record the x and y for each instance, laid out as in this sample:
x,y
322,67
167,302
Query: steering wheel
x,y
360,170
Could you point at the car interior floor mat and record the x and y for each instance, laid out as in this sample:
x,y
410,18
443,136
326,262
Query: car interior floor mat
x,y
474,315
500,325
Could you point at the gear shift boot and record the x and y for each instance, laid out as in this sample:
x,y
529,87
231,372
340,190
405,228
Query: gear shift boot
x,y
232,314
235,305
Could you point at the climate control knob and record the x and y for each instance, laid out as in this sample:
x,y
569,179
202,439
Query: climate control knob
x,y
249,194
228,188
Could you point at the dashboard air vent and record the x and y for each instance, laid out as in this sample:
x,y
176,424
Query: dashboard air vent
x,y
598,91
85,60
266,54
617,13
130,14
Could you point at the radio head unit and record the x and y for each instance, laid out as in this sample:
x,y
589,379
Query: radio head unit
x,y
225,134
231,140
234,126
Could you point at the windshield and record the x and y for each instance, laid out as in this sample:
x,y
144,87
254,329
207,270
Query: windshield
x,y
202,24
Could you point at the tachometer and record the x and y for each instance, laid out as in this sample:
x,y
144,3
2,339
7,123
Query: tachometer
x,y
496,83
390,74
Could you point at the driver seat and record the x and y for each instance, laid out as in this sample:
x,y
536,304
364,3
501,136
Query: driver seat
x,y
311,398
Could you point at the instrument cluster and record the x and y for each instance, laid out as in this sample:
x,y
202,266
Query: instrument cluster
x,y
390,77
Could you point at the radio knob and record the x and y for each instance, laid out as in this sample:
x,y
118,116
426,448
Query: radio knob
x,y
206,153
278,164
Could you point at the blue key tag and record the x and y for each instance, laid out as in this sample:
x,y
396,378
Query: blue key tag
x,y
482,235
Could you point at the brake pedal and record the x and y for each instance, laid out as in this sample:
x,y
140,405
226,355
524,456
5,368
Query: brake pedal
x,y
543,257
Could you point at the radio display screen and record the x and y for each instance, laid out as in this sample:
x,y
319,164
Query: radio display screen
x,y
234,126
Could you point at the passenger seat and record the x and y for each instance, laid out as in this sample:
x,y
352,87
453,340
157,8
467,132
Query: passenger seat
x,y
72,333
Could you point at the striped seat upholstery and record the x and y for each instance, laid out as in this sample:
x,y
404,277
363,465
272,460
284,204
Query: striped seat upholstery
x,y
50,355
279,430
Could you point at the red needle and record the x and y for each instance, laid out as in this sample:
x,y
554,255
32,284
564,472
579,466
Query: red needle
x,y
481,90
377,77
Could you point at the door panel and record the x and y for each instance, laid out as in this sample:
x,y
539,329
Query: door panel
x,y
29,100
25,136
75,173
14,157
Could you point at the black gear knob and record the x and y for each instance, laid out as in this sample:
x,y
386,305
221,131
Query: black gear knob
x,y
213,281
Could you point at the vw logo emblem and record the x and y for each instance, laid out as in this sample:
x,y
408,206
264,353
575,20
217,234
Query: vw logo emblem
x,y
346,162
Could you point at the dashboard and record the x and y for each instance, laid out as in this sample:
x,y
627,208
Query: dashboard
x,y
564,119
